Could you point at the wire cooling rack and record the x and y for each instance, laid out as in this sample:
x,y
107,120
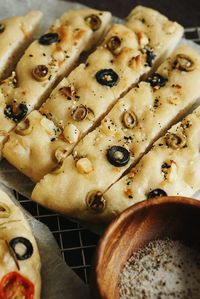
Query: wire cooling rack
x,y
77,244
193,34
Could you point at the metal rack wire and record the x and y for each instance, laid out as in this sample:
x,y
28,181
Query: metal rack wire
x,y
193,34
77,244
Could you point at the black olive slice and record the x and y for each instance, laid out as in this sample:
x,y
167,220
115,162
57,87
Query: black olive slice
x,y
150,57
156,80
93,21
28,248
17,115
49,38
2,28
95,201
107,77
118,156
156,193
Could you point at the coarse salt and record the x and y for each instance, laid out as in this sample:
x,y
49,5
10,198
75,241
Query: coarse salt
x,y
164,269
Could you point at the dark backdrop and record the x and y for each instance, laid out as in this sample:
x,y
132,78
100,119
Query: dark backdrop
x,y
187,12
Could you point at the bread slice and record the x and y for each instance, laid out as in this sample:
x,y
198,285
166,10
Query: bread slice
x,y
47,61
26,146
163,34
171,167
80,101
15,35
124,135
19,255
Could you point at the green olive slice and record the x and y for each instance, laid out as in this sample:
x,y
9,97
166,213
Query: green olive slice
x,y
93,21
40,72
129,119
176,141
80,113
95,201
4,210
114,45
183,63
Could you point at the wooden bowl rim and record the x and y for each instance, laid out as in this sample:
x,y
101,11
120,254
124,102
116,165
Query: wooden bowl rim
x,y
125,215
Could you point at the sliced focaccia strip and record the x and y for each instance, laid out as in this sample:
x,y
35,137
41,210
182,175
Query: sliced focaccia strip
x,y
19,256
170,168
33,134
148,22
15,34
123,136
46,61
80,100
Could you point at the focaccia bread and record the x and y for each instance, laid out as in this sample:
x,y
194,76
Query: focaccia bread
x,y
80,100
19,256
123,136
47,61
110,71
15,35
171,167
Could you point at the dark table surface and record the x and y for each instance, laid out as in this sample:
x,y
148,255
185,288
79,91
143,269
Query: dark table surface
x,y
187,12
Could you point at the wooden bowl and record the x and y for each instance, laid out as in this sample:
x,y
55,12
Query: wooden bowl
x,y
175,217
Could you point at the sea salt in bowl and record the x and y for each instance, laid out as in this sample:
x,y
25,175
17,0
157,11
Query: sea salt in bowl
x,y
176,218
